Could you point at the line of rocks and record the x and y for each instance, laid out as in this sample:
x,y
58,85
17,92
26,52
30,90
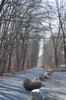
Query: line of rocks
x,y
35,86
35,83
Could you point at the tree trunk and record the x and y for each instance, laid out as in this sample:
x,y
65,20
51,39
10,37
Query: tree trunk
x,y
2,4
56,57
65,52
24,56
10,56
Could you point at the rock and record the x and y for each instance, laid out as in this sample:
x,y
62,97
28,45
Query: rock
x,y
47,76
41,77
44,76
49,72
26,83
30,84
39,94
36,78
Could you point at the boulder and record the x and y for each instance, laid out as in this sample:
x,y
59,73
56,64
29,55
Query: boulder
x,y
49,72
41,77
41,94
30,84
44,76
38,94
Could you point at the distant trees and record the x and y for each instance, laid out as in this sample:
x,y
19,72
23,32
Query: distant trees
x,y
62,18
56,21
22,24
20,20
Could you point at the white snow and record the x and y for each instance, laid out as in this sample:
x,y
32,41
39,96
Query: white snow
x,y
11,88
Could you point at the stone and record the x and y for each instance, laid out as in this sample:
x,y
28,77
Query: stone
x,y
44,76
49,72
41,77
30,84
39,94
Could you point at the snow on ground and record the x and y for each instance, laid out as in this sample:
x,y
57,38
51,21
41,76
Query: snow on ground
x,y
56,85
11,88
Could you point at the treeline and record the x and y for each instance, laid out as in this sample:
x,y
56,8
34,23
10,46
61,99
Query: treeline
x,y
20,21
22,24
55,43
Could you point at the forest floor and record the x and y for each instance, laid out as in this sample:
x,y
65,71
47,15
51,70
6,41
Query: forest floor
x,y
11,88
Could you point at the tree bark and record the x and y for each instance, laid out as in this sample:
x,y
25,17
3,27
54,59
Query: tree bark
x,y
56,57
2,4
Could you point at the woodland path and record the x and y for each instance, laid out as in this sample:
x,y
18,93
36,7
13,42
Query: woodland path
x,y
11,87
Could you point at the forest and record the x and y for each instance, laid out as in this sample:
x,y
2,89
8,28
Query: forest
x,y
23,24
32,49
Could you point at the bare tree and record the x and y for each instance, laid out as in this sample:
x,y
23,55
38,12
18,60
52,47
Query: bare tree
x,y
21,21
60,15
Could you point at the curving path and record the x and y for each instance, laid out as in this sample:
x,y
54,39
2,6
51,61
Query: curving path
x,y
11,87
